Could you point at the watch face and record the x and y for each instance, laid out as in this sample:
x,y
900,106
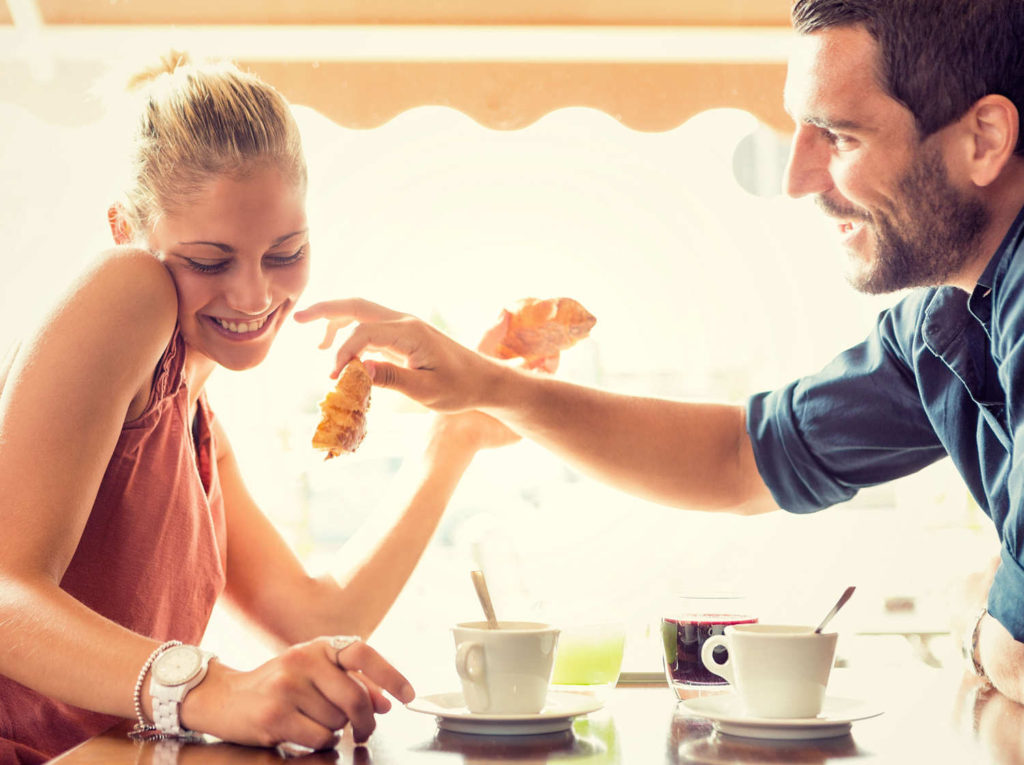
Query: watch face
x,y
177,665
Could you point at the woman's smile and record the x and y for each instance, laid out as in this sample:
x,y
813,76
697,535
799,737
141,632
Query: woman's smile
x,y
242,330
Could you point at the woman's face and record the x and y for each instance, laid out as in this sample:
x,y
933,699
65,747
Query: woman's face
x,y
239,255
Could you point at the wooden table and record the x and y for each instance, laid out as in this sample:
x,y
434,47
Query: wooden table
x,y
930,716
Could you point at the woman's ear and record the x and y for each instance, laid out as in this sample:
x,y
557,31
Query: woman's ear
x,y
119,224
993,125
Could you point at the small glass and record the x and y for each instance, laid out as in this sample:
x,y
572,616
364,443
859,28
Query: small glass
x,y
588,659
690,622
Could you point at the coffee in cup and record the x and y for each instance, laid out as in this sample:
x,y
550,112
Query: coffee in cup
x,y
504,670
777,670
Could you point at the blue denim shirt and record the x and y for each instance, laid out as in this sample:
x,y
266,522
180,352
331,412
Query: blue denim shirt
x,y
941,374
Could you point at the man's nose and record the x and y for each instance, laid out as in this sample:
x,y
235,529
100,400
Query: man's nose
x,y
807,168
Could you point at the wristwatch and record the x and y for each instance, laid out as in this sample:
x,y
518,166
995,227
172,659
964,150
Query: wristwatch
x,y
969,647
175,672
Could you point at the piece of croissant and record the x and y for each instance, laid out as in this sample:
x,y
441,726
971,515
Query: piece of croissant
x,y
540,328
343,422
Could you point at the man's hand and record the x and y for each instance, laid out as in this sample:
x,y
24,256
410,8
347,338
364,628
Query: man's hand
x,y
431,368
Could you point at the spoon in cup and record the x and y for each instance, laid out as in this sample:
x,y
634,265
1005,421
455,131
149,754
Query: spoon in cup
x,y
835,609
485,598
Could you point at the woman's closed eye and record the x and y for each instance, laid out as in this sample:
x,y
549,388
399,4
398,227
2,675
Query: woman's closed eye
x,y
215,266
206,266
287,260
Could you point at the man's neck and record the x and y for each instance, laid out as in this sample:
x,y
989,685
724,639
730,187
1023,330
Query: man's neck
x,y
1004,199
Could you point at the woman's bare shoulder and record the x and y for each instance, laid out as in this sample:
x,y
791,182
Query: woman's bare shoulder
x,y
118,315
131,285
133,277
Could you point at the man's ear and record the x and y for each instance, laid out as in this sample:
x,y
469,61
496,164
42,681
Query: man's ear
x,y
119,226
992,125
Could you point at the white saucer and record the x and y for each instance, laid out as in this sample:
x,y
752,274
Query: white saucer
x,y
557,714
726,712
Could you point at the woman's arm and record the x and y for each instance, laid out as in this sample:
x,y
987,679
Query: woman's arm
x,y
267,582
62,408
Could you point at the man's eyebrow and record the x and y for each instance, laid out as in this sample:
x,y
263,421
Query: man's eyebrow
x,y
826,123
229,250
829,124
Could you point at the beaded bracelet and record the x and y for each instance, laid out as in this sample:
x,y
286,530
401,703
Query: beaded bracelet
x,y
143,728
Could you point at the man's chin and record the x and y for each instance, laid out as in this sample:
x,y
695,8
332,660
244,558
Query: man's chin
x,y
867,278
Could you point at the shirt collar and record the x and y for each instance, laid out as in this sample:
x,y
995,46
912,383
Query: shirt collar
x,y
949,309
997,264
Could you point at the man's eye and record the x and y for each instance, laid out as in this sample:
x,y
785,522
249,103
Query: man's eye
x,y
839,140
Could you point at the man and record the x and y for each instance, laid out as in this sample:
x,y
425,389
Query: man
x,y
908,134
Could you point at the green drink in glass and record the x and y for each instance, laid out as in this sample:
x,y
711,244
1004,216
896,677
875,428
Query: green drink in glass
x,y
589,658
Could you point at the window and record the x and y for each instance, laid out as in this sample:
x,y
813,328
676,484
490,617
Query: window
x,y
702,289
706,284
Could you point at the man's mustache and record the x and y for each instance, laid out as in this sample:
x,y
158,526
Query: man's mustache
x,y
837,211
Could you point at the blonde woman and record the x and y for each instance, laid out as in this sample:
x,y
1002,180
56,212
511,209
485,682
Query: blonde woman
x,y
123,509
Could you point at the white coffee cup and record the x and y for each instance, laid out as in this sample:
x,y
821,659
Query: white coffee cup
x,y
777,670
505,670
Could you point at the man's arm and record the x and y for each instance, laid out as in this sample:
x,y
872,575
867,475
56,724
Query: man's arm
x,y
683,454
691,455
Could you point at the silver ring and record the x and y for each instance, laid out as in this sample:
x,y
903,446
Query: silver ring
x,y
340,642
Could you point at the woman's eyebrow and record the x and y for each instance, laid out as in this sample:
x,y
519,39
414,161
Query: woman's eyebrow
x,y
228,249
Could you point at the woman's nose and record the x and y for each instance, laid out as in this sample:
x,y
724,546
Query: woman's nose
x,y
250,292
807,169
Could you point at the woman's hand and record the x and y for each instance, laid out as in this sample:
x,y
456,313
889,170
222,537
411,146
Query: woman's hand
x,y
304,696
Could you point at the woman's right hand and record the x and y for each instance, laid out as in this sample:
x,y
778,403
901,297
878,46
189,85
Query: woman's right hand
x,y
303,696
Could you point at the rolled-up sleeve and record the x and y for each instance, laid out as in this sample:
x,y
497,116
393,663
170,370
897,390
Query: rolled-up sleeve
x,y
797,481
858,422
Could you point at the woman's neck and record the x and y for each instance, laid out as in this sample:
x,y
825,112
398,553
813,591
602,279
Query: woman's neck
x,y
197,370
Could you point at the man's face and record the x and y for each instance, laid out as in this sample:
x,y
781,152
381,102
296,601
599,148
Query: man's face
x,y
900,218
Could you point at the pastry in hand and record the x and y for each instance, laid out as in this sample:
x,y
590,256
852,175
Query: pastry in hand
x,y
343,423
540,328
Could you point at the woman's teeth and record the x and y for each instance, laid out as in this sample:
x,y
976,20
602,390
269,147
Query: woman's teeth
x,y
242,328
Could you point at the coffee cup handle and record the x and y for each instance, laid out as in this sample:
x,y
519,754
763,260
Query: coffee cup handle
x,y
469,663
707,655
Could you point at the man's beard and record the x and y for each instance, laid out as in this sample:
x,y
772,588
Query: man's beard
x,y
928,240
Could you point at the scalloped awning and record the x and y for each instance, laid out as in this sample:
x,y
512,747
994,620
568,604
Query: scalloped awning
x,y
651,64
512,95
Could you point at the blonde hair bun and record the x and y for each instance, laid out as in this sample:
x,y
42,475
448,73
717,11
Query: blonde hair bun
x,y
169,62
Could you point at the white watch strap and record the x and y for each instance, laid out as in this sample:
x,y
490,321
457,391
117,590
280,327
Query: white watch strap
x,y
167,706
165,716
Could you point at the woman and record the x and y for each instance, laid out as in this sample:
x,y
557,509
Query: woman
x,y
125,516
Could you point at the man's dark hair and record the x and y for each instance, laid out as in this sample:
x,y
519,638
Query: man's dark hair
x,y
936,57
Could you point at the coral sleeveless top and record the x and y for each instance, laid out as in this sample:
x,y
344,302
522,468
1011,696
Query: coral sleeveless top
x,y
152,556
